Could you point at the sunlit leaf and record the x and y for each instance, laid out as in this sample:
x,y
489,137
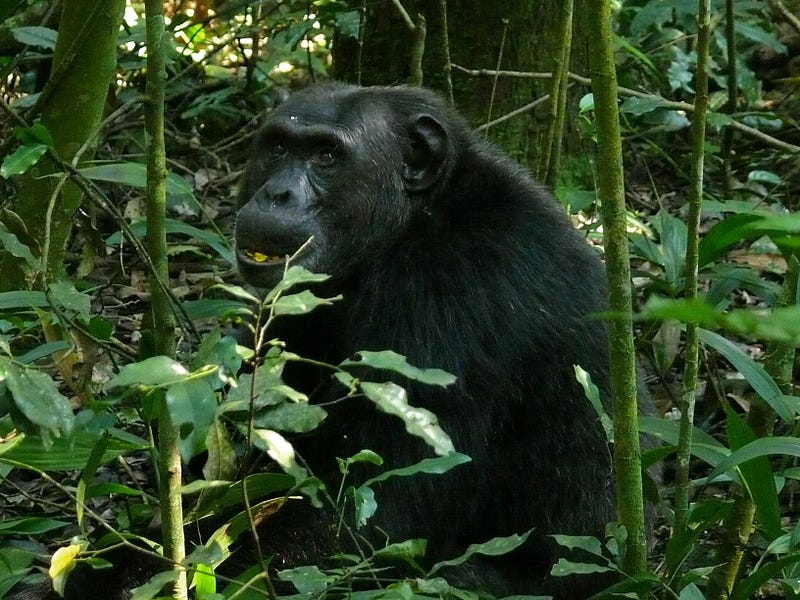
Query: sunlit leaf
x,y
153,371
22,159
300,303
279,450
392,399
61,563
564,568
393,361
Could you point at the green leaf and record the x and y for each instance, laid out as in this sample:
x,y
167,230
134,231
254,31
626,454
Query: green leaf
x,y
204,581
108,489
296,275
718,120
584,542
281,451
586,103
222,461
704,447
593,395
8,443
494,547
430,466
192,403
134,175
725,234
691,592
23,299
300,303
367,456
208,308
780,324
11,244
64,295
292,417
640,106
217,242
69,454
40,37
307,580
236,291
364,504
406,550
264,386
564,568
259,485
785,446
393,361
14,563
37,397
760,36
22,159
348,23
87,476
151,372
35,134
756,476
747,588
152,589
761,176
754,373
392,399
29,526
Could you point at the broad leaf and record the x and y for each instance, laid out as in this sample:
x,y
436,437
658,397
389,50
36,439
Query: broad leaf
x,y
494,547
393,361
392,399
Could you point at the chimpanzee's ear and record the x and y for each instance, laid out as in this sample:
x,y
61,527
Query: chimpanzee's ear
x,y
424,158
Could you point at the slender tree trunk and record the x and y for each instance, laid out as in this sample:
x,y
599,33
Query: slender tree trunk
x,y
162,318
627,463
692,346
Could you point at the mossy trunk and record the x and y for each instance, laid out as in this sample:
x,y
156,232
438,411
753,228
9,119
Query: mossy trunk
x,y
71,107
516,35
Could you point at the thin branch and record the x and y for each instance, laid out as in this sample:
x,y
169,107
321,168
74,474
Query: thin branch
x,y
627,92
787,15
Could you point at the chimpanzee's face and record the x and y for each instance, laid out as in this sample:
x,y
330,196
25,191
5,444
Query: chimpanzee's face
x,y
336,167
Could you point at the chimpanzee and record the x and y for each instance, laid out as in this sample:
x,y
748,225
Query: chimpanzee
x,y
447,252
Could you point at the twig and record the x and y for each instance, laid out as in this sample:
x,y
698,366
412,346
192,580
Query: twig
x,y
494,83
787,15
623,91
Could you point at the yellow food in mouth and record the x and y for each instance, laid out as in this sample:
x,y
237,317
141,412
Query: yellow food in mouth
x,y
260,257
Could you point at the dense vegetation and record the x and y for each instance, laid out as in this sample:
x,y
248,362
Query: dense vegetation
x,y
83,379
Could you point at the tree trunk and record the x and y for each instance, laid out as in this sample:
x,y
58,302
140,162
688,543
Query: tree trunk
x,y
516,35
71,106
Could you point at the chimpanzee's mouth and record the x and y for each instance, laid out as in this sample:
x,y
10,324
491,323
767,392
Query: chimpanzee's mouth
x,y
256,257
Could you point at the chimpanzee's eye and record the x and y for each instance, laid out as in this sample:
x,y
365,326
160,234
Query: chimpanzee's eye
x,y
275,150
325,157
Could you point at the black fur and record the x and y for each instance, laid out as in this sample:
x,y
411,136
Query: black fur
x,y
447,252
